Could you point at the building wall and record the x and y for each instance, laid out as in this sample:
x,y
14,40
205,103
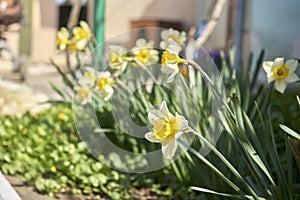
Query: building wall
x,y
275,27
119,14
44,28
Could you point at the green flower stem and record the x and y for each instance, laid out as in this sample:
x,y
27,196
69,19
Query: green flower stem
x,y
225,161
195,65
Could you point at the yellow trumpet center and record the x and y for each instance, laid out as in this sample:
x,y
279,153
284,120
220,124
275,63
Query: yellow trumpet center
x,y
103,82
165,128
115,58
169,58
82,93
143,55
281,72
81,34
89,76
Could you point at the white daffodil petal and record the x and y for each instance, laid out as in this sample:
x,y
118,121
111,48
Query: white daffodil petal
x,y
173,48
267,66
169,68
292,78
270,78
169,149
182,122
151,137
292,64
171,77
278,62
280,86
154,115
164,110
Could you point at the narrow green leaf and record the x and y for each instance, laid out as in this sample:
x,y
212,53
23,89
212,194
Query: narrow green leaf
x,y
290,131
66,80
225,194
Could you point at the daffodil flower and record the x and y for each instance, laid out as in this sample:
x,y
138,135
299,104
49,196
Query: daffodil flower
x,y
167,128
105,85
170,60
144,52
117,59
89,77
171,35
84,94
280,72
62,39
82,35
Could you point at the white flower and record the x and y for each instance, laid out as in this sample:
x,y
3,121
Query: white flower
x,y
89,77
105,85
166,129
144,51
170,60
280,72
84,94
117,60
172,35
82,35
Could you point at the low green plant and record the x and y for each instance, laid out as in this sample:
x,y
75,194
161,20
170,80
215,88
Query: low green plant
x,y
44,151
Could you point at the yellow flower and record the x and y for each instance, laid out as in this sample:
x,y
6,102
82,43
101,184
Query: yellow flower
x,y
62,39
144,52
170,60
60,116
105,84
117,60
171,35
24,131
82,35
280,72
167,128
53,169
84,94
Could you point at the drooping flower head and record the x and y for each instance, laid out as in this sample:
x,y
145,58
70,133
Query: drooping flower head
x,y
171,35
144,51
62,38
166,129
105,85
281,73
82,35
170,60
117,60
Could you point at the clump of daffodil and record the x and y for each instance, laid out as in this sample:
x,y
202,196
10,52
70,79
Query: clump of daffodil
x,y
117,58
104,85
281,73
82,35
144,52
84,94
167,128
169,36
170,60
62,38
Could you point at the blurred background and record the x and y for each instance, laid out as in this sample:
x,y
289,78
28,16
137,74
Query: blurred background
x,y
269,24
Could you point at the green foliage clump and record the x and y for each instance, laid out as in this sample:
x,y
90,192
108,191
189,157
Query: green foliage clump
x,y
45,151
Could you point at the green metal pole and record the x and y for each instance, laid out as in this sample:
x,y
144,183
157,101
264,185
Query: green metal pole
x,y
99,20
